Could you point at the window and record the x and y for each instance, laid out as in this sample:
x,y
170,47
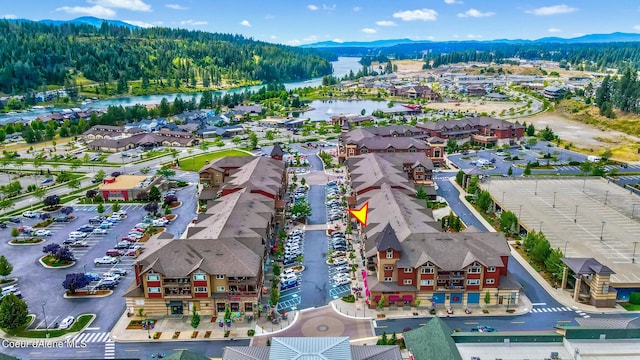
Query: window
x,y
153,277
219,277
473,282
388,279
152,290
426,282
490,281
408,270
219,288
407,281
426,270
364,151
474,270
200,275
491,269
390,254
388,267
201,289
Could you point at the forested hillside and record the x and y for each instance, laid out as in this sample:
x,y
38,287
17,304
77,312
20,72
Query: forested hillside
x,y
33,55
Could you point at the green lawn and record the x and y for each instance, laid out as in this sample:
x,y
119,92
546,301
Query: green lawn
x,y
630,307
78,325
197,162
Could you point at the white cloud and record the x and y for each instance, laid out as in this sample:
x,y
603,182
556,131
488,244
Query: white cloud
x,y
141,24
420,14
133,5
451,2
552,10
328,8
176,7
368,31
310,38
338,40
554,30
312,7
95,10
385,23
193,23
475,13
245,23
293,42
273,37
636,28
357,8
8,16
474,36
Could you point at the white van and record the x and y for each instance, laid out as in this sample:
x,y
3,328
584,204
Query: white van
x,y
593,158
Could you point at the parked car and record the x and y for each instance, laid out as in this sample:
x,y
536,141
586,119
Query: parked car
x,y
47,181
66,322
77,235
31,214
42,232
100,231
15,220
342,281
289,260
69,241
85,229
288,285
61,219
3,225
92,276
339,276
114,252
123,245
78,243
340,261
94,221
121,272
106,285
105,260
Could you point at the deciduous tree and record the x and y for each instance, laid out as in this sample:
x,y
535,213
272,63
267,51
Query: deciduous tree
x,y
75,281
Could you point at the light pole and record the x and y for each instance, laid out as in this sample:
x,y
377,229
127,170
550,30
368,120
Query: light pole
x,y
584,183
633,257
502,203
633,210
606,195
602,230
565,248
520,212
540,230
575,216
46,326
554,200
535,192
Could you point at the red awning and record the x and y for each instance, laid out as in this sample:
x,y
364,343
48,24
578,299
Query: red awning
x,y
394,297
377,298
407,297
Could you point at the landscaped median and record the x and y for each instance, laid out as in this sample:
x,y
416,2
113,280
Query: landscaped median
x,y
22,333
195,163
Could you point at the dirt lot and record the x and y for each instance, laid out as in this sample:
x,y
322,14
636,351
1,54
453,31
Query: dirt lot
x,y
589,138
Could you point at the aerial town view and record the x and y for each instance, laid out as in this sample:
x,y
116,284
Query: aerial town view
x,y
358,180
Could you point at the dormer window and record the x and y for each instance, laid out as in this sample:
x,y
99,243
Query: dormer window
x,y
389,253
199,275
474,268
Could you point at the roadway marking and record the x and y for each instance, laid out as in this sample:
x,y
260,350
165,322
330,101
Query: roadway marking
x,y
132,350
471,323
382,326
538,304
93,328
564,321
517,322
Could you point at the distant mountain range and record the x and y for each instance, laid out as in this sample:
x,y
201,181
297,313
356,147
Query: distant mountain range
x,y
585,39
89,20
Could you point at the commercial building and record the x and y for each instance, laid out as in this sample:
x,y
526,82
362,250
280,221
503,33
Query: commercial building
x,y
219,261
127,187
118,138
480,130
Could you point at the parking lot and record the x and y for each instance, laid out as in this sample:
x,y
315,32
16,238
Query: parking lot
x,y
589,217
34,280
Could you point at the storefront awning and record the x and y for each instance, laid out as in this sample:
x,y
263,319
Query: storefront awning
x,y
394,297
377,298
407,297
175,303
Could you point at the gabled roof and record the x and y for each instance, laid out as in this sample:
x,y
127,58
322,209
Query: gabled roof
x,y
185,355
228,162
277,150
387,239
585,266
432,341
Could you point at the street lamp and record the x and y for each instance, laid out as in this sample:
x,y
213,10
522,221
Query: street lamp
x,y
633,210
46,326
602,230
502,203
520,212
554,200
606,195
535,192
633,257
540,230
575,216
565,248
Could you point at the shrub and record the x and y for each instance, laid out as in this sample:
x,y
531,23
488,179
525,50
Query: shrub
x,y
349,298
251,332
634,298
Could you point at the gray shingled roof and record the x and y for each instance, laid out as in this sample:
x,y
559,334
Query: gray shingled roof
x,y
387,239
474,122
581,266
316,348
277,150
432,341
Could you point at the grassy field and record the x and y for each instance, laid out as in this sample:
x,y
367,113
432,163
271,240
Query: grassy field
x,y
195,163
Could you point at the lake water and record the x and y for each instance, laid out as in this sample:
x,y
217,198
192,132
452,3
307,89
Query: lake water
x,y
340,69
325,109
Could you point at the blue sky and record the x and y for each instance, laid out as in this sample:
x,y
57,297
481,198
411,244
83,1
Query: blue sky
x,y
296,22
